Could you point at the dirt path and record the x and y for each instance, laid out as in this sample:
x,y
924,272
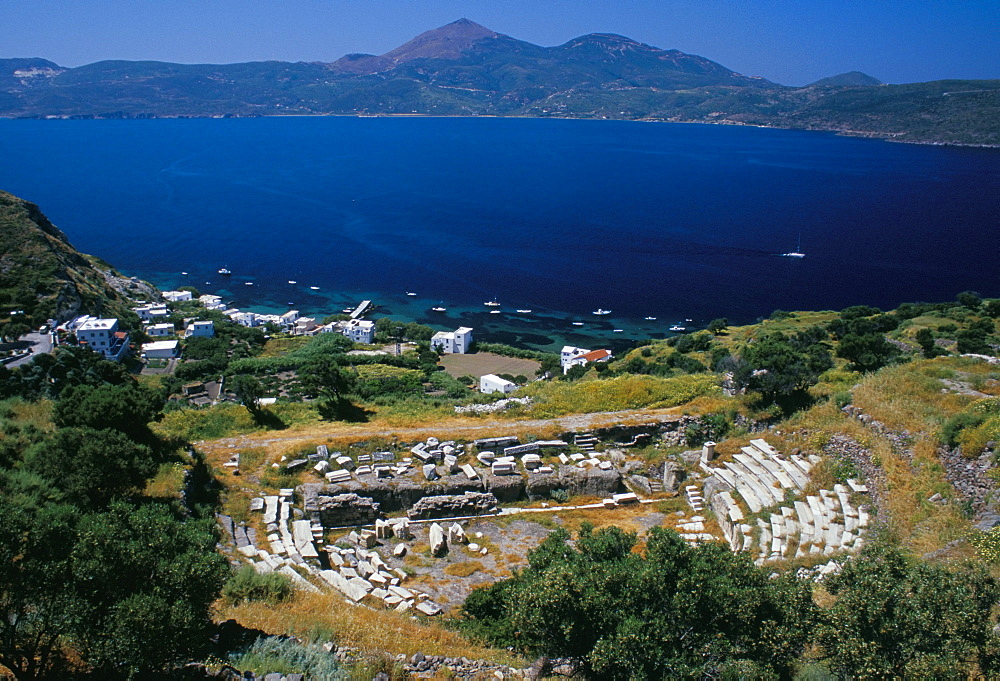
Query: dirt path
x,y
454,428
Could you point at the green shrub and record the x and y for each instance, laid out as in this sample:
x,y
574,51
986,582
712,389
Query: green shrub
x,y
560,495
956,424
248,586
287,656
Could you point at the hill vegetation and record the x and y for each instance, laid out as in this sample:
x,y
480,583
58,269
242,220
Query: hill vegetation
x,y
43,277
464,69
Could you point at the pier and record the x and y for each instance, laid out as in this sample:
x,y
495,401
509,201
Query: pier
x,y
361,309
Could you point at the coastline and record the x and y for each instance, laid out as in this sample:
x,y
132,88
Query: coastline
x,y
897,138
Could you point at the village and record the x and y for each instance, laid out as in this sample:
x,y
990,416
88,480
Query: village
x,y
106,336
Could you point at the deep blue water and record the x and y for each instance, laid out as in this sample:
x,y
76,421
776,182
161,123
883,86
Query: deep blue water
x,y
666,220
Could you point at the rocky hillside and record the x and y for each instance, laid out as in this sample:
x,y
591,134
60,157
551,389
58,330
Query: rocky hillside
x,y
43,277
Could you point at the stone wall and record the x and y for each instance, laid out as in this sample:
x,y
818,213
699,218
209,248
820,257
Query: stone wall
x,y
450,506
341,509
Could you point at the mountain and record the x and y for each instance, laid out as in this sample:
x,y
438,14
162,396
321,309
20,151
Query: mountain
x,y
43,277
849,79
464,69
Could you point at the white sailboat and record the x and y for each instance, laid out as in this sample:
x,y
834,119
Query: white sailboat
x,y
797,253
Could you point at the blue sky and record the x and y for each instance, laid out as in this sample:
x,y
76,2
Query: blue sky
x,y
790,42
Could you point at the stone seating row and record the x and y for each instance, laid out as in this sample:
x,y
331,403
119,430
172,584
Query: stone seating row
x,y
761,476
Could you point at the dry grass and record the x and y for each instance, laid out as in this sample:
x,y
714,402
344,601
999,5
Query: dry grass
x,y
906,397
358,626
463,569
168,481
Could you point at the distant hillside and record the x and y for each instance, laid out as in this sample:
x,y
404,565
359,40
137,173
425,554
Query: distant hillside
x,y
43,275
849,79
464,69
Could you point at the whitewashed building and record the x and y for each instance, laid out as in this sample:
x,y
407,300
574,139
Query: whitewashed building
x,y
103,336
200,329
491,383
358,330
176,296
212,302
455,342
160,330
167,349
152,313
571,357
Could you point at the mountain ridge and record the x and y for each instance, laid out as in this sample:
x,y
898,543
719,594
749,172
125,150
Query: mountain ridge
x,y
465,69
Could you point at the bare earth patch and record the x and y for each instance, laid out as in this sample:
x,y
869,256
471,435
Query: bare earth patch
x,y
483,363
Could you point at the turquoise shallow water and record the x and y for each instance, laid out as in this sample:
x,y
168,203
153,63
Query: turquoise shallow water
x,y
561,217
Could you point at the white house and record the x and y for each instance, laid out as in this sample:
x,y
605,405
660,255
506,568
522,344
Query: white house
x,y
455,342
287,320
358,330
200,329
161,349
152,312
177,296
103,336
212,302
304,326
160,330
491,383
571,357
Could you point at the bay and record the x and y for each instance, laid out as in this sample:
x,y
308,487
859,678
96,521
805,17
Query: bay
x,y
562,217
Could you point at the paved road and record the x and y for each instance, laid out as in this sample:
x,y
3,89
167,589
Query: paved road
x,y
41,343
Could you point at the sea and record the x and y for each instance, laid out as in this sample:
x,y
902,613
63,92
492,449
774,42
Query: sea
x,y
661,225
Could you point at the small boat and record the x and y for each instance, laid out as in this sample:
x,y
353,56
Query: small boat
x,y
797,253
601,311
617,330
292,281
494,311
492,303
224,272
410,293
184,273
248,283
346,310
314,288
678,327
524,311
439,309
689,320
650,319
577,323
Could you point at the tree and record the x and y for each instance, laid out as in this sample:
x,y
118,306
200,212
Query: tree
x,y
323,376
147,580
775,366
127,408
248,391
896,619
717,326
91,467
38,605
969,299
674,611
868,352
925,338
